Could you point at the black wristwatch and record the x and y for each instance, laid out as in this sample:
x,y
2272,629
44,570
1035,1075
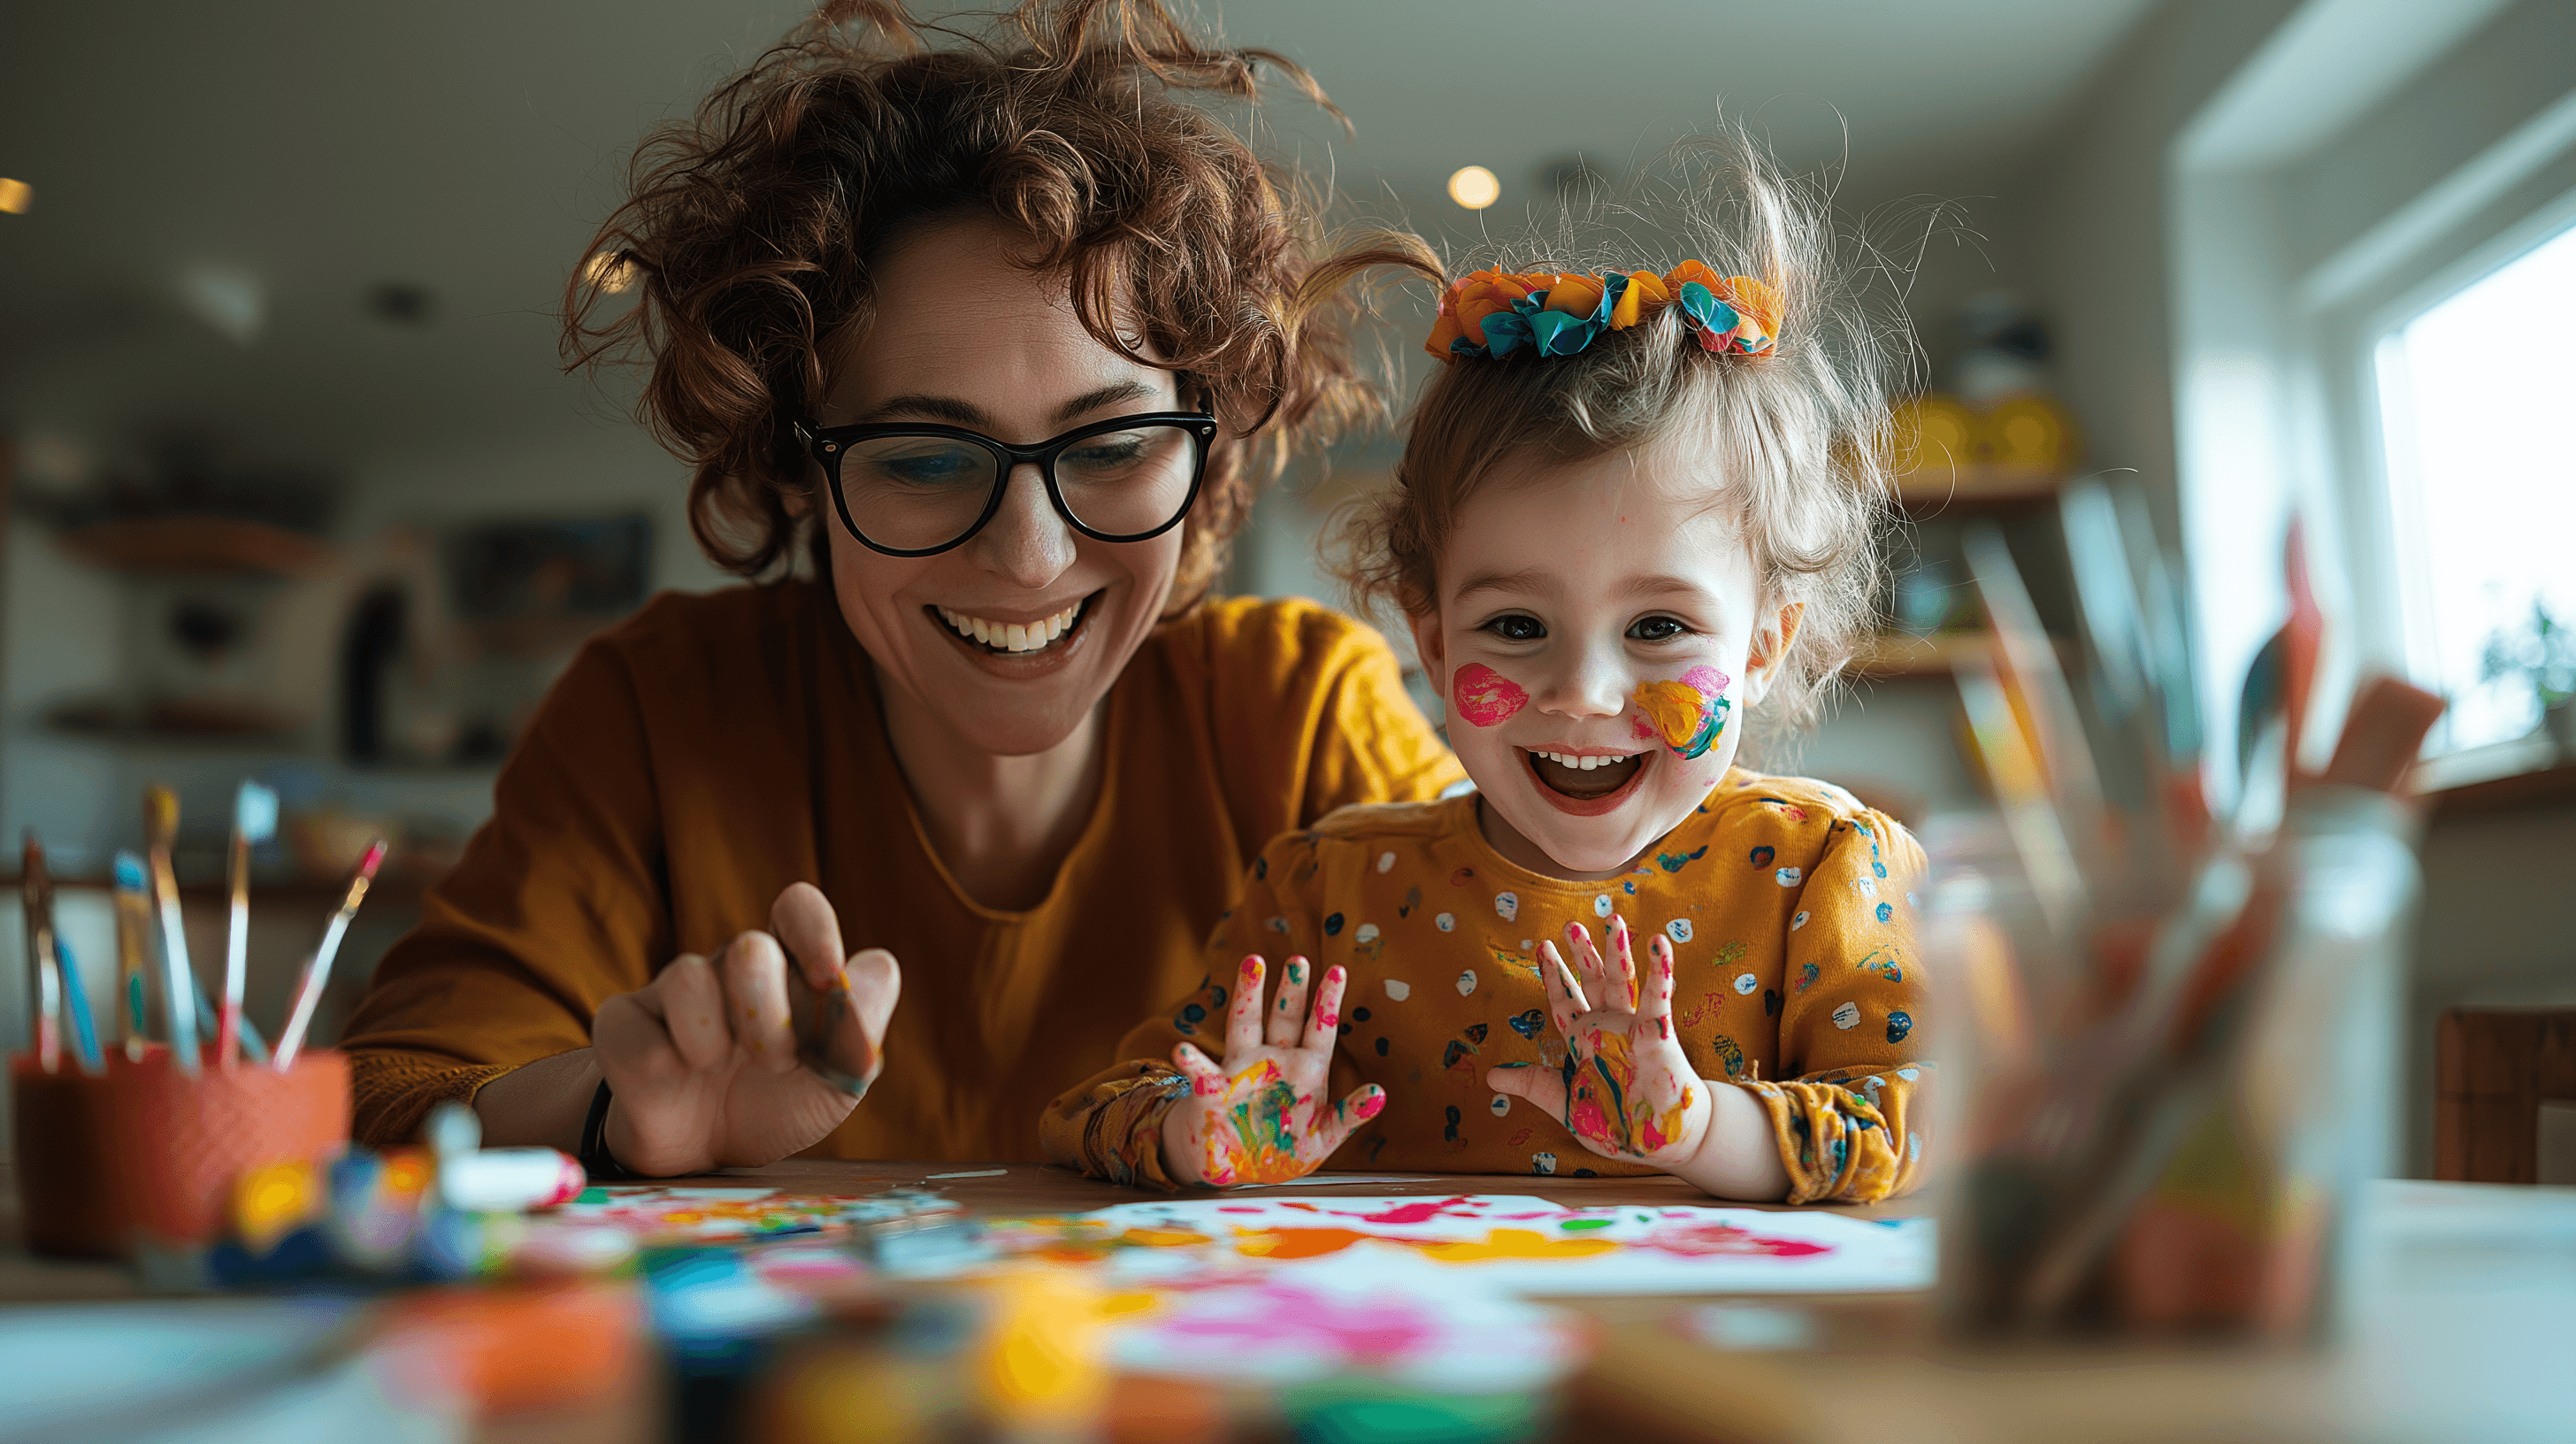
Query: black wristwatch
x,y
596,1160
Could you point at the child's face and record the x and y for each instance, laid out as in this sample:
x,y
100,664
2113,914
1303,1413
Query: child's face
x,y
1605,612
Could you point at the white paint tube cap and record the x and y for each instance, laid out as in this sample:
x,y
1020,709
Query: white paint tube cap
x,y
508,1180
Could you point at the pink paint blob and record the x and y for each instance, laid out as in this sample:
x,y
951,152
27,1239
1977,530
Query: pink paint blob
x,y
1485,697
1419,1212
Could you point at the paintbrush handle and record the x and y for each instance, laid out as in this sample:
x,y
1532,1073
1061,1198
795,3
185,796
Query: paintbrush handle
x,y
76,1005
181,980
47,972
236,953
308,989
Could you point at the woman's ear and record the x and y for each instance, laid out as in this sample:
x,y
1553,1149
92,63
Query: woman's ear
x,y
1770,644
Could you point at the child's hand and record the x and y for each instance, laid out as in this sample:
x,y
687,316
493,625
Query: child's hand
x,y
1262,1118
1627,1090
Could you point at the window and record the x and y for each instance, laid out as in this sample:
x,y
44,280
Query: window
x,y
2478,403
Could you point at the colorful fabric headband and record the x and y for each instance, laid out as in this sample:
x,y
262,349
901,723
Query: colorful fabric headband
x,y
1494,313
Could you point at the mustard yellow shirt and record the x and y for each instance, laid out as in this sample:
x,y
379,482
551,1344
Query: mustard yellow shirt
x,y
1790,910
709,751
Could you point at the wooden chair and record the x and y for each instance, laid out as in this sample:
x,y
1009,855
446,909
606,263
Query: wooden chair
x,y
2494,1070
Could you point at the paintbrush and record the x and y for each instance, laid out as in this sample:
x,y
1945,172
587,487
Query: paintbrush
x,y
2381,734
317,972
254,1044
133,923
254,822
35,907
160,828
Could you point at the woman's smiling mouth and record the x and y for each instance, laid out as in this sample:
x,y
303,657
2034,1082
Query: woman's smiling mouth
x,y
1015,639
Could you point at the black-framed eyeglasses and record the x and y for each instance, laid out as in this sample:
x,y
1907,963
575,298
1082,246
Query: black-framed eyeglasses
x,y
915,490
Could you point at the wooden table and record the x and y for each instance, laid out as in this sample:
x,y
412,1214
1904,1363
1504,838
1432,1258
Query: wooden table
x,y
2456,1319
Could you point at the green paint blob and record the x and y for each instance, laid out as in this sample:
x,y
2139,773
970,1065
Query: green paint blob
x,y
1575,1225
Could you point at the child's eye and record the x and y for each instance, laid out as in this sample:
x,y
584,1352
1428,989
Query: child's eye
x,y
1514,627
1656,629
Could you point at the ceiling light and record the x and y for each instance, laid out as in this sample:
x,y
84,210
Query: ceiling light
x,y
16,196
1474,187
608,271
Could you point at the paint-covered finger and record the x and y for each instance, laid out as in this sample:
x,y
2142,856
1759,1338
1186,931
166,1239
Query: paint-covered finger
x,y
1333,1125
1243,1021
1534,1083
1623,962
805,925
851,1051
692,1006
1593,973
1324,1024
1565,1000
1655,993
1288,1010
1206,1079
753,970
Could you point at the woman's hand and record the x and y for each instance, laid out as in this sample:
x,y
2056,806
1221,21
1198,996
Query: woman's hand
x,y
708,1062
1627,1090
1262,1118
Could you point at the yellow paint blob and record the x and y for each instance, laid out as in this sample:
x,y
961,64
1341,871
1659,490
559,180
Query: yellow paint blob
x,y
1517,1243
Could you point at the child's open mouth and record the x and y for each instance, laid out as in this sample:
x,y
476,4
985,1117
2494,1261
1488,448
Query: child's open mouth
x,y
1586,784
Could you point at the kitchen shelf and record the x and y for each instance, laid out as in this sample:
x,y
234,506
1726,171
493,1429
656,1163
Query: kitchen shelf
x,y
199,545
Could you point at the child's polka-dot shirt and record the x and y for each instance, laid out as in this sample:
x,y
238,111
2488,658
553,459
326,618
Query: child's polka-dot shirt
x,y
1790,910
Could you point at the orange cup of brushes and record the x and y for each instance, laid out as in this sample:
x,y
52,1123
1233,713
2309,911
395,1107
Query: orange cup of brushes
x,y
179,1141
58,1122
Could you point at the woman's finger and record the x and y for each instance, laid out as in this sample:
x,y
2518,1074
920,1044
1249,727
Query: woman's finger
x,y
1324,1025
1565,1000
1332,1126
1206,1079
1288,1014
1533,1083
692,1006
1655,998
634,1042
753,972
1243,1022
805,925
1623,961
875,982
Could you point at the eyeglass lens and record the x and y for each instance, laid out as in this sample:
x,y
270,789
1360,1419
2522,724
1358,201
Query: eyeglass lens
x,y
911,493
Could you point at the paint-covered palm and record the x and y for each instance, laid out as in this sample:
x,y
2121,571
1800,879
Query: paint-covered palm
x,y
1262,1118
1626,1089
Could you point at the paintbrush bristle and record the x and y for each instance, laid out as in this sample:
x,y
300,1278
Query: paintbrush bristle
x,y
129,872
374,859
160,816
255,813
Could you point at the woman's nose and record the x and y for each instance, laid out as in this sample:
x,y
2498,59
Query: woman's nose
x,y
1025,541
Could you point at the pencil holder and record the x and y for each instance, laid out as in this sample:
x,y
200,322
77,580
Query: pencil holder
x,y
58,1122
178,1141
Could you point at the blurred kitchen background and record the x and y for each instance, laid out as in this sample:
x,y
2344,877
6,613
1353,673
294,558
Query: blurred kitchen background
x,y
296,489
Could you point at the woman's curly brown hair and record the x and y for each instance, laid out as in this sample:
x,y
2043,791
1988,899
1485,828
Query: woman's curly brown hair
x,y
751,231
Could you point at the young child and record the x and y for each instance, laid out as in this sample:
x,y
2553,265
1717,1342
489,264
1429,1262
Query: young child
x,y
1636,510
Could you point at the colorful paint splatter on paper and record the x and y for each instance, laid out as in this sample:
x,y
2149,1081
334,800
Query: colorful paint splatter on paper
x,y
1507,1242
661,1214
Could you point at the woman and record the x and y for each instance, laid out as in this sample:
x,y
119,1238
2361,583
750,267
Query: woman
x,y
990,337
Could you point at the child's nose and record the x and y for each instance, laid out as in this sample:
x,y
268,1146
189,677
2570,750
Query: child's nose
x,y
1593,684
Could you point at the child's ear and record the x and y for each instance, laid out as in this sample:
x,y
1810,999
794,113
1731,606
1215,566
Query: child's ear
x,y
1426,645
1770,644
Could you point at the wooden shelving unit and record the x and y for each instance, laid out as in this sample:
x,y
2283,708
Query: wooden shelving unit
x,y
199,545
1902,654
1976,486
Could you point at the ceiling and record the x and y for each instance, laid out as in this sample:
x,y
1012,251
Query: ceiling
x,y
260,170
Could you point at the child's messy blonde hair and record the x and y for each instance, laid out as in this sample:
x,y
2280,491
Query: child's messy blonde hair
x,y
1801,433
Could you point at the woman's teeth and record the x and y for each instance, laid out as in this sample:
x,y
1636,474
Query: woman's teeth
x,y
1584,764
1013,636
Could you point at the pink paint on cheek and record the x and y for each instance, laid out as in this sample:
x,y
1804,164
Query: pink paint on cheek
x,y
1485,697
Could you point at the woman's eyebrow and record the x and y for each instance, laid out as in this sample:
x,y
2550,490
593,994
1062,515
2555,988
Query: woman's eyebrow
x,y
956,411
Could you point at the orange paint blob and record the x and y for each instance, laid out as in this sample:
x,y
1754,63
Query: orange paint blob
x,y
1293,1242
